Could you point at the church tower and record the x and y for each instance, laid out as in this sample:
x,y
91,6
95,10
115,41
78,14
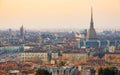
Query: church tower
x,y
91,34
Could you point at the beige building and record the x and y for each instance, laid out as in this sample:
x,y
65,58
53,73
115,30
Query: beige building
x,y
75,56
112,57
43,56
34,56
54,55
112,49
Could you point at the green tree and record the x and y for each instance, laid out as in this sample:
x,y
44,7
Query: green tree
x,y
62,63
42,72
100,71
108,71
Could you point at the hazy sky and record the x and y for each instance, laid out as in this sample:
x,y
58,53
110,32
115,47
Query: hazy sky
x,y
47,14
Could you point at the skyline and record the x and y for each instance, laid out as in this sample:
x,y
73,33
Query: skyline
x,y
60,14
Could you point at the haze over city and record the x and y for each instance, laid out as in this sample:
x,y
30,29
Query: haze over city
x,y
58,14
59,37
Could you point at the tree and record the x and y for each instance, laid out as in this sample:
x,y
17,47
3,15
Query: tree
x,y
62,63
42,72
100,71
108,71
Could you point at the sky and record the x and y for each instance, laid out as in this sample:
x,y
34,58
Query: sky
x,y
59,14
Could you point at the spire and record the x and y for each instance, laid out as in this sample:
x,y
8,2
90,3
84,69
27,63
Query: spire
x,y
91,22
91,35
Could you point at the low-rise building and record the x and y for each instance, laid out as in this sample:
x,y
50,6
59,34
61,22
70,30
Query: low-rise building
x,y
75,56
34,56
112,57
45,56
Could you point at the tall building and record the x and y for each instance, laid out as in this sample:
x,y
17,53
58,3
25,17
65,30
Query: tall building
x,y
10,33
93,41
21,31
91,34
